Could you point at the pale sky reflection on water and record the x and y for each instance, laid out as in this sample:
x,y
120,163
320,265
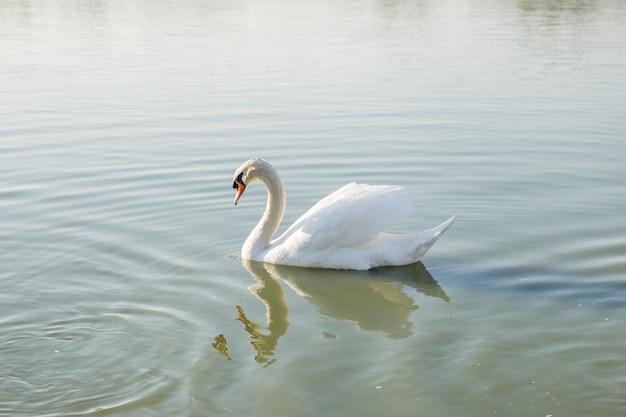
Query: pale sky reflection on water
x,y
122,289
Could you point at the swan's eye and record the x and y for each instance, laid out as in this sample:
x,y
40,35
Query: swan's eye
x,y
239,180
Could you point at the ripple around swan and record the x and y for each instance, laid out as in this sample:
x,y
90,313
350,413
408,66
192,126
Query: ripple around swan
x,y
71,366
62,395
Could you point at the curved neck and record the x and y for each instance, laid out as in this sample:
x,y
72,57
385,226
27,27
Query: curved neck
x,y
260,237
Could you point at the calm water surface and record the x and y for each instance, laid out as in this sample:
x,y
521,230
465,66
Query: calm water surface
x,y
121,123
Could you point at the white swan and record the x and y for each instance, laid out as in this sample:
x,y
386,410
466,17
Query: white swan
x,y
344,230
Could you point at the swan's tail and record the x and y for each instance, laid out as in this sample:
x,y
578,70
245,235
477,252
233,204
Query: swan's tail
x,y
405,249
438,231
426,239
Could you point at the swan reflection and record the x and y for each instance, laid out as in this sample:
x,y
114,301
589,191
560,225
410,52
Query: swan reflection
x,y
271,294
221,345
373,300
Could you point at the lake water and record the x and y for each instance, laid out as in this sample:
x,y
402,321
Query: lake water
x,y
122,122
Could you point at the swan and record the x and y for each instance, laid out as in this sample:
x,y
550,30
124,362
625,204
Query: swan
x,y
344,230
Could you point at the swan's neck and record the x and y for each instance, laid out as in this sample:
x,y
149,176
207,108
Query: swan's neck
x,y
260,238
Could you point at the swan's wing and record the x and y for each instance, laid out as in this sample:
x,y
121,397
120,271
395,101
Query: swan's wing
x,y
352,216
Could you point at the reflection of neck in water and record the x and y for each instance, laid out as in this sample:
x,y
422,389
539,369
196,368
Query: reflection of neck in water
x,y
271,294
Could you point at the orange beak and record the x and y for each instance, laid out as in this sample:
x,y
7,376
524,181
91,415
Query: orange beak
x,y
240,189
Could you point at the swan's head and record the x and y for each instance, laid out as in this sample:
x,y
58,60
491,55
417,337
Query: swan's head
x,y
250,171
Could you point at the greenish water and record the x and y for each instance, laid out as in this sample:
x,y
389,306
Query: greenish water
x,y
121,124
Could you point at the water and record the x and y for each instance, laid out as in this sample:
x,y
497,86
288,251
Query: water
x,y
122,124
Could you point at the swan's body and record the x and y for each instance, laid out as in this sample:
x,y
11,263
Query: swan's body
x,y
344,230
